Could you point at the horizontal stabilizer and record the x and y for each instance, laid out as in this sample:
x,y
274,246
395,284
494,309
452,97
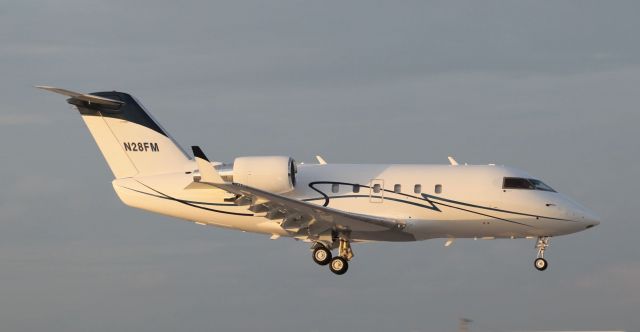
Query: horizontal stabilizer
x,y
91,99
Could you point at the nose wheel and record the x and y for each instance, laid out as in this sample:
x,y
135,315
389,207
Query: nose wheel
x,y
540,264
541,245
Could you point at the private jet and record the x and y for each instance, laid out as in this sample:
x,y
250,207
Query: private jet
x,y
327,205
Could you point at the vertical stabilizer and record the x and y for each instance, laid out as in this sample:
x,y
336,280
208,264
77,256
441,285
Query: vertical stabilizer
x,y
130,140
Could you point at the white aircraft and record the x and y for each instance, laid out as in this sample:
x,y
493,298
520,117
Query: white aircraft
x,y
328,205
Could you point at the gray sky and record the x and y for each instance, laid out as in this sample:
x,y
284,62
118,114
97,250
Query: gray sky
x,y
548,86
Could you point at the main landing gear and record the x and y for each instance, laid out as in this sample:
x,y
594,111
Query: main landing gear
x,y
540,263
339,264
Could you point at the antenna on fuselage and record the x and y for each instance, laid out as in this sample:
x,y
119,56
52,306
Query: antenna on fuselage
x,y
452,161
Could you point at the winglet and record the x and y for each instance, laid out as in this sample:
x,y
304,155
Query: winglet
x,y
452,161
207,172
197,152
321,160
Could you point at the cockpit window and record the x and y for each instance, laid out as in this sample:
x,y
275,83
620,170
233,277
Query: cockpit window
x,y
522,183
517,183
541,185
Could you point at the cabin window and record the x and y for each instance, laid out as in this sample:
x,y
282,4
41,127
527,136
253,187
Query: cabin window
x,y
356,188
417,188
335,188
376,188
438,189
397,188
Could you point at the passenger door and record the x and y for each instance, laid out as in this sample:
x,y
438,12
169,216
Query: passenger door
x,y
376,191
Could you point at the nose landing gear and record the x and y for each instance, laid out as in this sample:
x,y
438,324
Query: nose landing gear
x,y
540,263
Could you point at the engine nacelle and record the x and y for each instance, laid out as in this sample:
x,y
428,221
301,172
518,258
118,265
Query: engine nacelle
x,y
272,173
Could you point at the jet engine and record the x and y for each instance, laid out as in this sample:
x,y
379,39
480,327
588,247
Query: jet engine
x,y
274,174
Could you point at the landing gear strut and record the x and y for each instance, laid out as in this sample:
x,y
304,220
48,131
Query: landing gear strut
x,y
540,263
340,264
345,248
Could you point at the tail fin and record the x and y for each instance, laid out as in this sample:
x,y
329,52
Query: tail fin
x,y
130,140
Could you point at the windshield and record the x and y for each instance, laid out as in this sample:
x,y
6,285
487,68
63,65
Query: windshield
x,y
522,183
541,185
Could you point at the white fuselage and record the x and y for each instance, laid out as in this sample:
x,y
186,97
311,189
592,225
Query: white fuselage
x,y
430,201
330,205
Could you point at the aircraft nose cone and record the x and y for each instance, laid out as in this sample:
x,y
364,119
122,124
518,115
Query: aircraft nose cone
x,y
590,219
584,217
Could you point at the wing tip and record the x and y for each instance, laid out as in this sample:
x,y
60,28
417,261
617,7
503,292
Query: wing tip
x,y
197,152
321,160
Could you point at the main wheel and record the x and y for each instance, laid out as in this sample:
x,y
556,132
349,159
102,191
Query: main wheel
x,y
321,255
338,265
540,264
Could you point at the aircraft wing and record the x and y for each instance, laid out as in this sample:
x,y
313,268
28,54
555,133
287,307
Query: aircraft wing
x,y
299,214
295,214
